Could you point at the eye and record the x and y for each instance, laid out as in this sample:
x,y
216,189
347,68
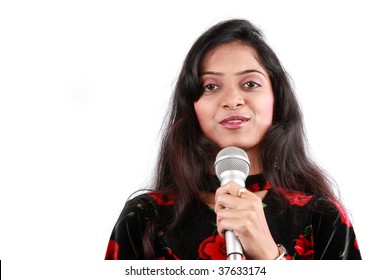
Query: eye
x,y
251,85
210,87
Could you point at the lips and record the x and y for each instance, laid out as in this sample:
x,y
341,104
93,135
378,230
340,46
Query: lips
x,y
234,122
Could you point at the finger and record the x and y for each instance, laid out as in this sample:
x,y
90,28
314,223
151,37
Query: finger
x,y
236,225
228,213
226,200
230,188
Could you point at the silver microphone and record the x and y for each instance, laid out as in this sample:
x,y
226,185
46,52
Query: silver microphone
x,y
232,165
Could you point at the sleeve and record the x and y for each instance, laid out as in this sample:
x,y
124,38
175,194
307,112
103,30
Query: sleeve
x,y
333,234
126,240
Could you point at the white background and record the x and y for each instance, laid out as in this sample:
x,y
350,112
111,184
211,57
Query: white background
x,y
83,90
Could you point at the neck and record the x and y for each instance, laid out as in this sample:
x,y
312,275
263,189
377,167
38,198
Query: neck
x,y
256,166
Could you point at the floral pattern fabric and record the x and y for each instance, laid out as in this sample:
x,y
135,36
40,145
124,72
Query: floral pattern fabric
x,y
309,227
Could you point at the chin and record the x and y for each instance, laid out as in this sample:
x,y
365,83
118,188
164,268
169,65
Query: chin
x,y
241,145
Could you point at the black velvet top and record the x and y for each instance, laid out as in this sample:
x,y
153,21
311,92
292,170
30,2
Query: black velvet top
x,y
309,227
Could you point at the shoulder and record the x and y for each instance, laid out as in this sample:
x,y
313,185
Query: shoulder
x,y
145,204
140,211
148,200
319,204
296,198
332,209
140,215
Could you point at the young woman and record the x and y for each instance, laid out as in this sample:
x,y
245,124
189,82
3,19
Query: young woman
x,y
233,92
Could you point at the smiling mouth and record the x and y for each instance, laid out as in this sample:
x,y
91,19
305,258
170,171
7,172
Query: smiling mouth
x,y
234,122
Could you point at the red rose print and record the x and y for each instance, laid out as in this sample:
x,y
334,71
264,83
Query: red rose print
x,y
296,197
162,200
168,255
304,248
256,187
112,250
213,248
267,186
355,243
343,215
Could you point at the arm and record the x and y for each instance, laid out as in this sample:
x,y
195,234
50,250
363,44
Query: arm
x,y
126,241
333,235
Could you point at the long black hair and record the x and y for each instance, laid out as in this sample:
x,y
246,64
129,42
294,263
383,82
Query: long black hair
x,y
186,156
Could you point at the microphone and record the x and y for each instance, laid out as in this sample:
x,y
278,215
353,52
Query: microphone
x,y
232,165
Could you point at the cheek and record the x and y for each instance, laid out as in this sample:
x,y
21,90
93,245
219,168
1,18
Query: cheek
x,y
270,113
264,110
201,113
268,109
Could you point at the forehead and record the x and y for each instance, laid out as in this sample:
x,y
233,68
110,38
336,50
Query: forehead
x,y
234,54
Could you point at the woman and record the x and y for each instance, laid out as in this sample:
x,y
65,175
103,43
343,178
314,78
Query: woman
x,y
233,91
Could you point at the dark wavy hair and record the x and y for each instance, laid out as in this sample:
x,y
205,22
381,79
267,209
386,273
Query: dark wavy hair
x,y
186,156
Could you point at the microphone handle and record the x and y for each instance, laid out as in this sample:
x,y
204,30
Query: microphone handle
x,y
233,246
234,249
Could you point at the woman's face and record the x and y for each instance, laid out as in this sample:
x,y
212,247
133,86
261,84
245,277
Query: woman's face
x,y
236,105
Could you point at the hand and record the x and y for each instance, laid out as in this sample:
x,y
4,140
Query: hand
x,y
245,217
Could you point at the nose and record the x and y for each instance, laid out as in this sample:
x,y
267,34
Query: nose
x,y
232,99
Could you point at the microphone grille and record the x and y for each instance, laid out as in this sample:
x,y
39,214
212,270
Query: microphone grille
x,y
232,158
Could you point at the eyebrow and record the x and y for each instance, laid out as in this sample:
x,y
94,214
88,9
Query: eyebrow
x,y
238,73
